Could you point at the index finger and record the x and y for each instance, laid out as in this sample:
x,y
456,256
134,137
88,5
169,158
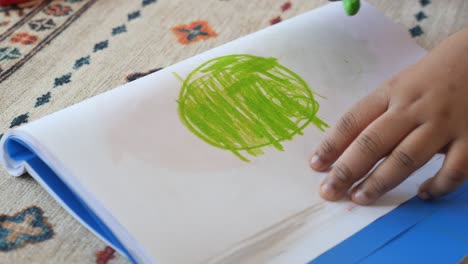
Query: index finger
x,y
364,112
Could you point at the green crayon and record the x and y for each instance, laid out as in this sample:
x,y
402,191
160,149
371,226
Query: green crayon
x,y
351,6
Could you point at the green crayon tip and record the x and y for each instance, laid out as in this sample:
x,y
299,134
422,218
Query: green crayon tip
x,y
351,6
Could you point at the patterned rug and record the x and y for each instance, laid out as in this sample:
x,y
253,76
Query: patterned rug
x,y
55,53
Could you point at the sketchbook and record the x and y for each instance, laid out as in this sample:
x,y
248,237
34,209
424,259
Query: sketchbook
x,y
206,161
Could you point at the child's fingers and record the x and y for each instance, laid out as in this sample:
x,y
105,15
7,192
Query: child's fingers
x,y
413,152
452,174
348,128
374,143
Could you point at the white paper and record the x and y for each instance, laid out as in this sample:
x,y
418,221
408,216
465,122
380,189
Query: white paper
x,y
173,198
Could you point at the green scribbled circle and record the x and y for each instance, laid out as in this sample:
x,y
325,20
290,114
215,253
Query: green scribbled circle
x,y
243,103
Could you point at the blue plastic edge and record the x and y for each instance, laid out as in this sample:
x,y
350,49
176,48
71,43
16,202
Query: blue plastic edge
x,y
20,151
395,228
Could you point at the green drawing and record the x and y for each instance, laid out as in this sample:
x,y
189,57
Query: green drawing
x,y
243,103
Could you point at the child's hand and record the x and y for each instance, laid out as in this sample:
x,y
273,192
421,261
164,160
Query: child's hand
x,y
419,112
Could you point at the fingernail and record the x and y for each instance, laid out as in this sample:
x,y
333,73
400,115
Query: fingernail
x,y
361,197
316,162
328,190
424,196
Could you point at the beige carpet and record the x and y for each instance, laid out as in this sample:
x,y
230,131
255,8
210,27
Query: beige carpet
x,y
56,53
